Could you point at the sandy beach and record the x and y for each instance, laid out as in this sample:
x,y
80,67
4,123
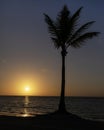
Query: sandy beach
x,y
53,121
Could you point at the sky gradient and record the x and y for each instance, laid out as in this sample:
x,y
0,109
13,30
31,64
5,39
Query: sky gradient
x,y
28,56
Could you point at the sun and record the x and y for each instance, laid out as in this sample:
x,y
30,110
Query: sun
x,y
27,88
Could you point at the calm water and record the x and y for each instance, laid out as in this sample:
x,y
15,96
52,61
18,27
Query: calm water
x,y
91,108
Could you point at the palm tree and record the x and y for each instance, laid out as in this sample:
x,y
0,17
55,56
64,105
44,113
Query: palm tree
x,y
66,33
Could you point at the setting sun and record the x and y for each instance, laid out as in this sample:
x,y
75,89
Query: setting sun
x,y
27,88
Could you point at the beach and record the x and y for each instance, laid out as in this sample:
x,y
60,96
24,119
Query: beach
x,y
54,121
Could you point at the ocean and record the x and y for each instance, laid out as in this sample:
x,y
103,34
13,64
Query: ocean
x,y
86,107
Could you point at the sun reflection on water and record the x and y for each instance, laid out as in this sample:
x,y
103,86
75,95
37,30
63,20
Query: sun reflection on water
x,y
26,100
25,111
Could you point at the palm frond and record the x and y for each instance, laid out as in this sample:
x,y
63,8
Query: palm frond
x,y
76,14
80,31
75,17
56,42
51,26
73,22
62,22
80,40
65,12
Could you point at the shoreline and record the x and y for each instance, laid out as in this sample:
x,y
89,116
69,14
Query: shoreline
x,y
53,121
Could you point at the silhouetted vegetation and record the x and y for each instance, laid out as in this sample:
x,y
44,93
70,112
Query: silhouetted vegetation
x,y
66,32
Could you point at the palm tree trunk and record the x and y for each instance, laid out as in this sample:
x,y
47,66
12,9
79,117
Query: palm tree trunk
x,y
62,107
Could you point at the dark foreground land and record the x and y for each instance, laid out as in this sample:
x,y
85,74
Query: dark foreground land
x,y
55,121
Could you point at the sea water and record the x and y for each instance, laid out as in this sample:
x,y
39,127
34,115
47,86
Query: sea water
x,y
86,107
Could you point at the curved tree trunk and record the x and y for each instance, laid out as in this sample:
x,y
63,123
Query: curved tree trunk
x,y
62,107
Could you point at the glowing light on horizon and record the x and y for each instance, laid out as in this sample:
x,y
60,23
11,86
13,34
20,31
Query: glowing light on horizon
x,y
27,88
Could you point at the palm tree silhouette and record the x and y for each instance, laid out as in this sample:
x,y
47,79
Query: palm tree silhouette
x,y
66,33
